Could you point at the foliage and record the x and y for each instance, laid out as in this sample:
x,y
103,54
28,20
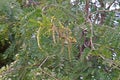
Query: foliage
x,y
10,12
48,39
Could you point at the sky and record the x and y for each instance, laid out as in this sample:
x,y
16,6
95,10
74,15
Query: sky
x,y
114,6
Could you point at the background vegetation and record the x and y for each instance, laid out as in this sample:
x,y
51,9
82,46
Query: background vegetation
x,y
59,40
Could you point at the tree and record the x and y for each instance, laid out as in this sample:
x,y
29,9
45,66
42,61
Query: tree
x,y
61,40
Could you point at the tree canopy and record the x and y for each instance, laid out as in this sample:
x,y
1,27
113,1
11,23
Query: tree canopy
x,y
59,40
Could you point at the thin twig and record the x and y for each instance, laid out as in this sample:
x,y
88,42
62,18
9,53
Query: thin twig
x,y
60,7
44,61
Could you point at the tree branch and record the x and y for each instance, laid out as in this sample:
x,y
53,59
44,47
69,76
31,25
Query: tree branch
x,y
100,11
111,4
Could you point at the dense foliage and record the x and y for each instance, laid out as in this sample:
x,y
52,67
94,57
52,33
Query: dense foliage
x,y
59,40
